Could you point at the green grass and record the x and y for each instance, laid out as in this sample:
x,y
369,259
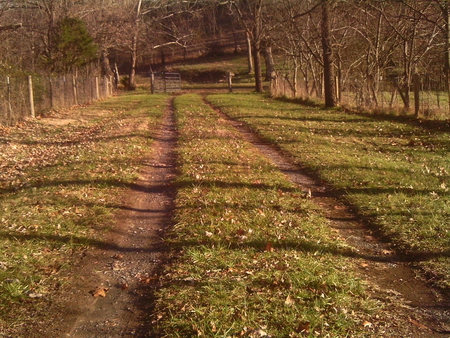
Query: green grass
x,y
211,73
209,69
395,172
249,252
60,185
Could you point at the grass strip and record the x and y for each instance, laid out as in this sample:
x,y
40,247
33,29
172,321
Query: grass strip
x,y
396,173
251,255
61,182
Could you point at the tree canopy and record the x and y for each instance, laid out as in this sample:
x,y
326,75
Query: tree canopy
x,y
70,45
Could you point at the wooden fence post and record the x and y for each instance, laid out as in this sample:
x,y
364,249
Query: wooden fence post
x,y
9,108
105,83
74,87
31,96
97,89
152,82
230,82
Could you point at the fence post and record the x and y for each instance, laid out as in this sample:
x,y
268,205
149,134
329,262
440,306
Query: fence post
x,y
9,108
152,82
66,94
230,82
97,89
111,85
416,84
50,90
105,84
31,96
74,86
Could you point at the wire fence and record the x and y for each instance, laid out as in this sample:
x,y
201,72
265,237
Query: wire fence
x,y
426,97
27,96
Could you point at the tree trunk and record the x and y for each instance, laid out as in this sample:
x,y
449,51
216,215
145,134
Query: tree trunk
x,y
132,78
104,64
251,69
257,64
447,49
270,64
328,71
295,78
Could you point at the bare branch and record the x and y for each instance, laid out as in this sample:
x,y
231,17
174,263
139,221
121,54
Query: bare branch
x,y
10,27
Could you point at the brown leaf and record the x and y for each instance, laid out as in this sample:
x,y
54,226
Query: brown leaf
x,y
308,194
99,292
240,232
419,325
117,256
269,247
303,327
367,324
289,301
151,280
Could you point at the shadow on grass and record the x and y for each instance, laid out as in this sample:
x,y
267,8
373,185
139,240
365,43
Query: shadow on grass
x,y
432,125
309,247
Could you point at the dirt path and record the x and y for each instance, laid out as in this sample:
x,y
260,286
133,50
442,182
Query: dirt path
x,y
113,295
124,272
425,310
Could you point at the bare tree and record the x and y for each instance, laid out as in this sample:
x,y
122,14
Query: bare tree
x,y
328,61
251,15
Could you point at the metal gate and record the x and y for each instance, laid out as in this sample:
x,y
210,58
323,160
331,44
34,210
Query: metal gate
x,y
165,82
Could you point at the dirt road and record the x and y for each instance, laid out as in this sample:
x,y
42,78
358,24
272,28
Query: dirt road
x,y
113,294
113,291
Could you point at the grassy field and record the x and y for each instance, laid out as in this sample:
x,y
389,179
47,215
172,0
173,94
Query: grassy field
x,y
394,172
252,257
61,183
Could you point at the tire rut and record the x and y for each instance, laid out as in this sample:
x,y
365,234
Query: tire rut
x,y
126,269
428,309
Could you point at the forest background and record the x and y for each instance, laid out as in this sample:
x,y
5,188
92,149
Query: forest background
x,y
383,55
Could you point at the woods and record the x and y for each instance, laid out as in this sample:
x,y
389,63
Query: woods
x,y
363,53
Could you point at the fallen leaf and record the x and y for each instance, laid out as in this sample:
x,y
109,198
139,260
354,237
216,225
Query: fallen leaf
x,y
117,256
240,232
99,292
289,301
303,327
269,247
256,333
35,295
417,324
308,194
369,238
364,265
367,324
150,280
